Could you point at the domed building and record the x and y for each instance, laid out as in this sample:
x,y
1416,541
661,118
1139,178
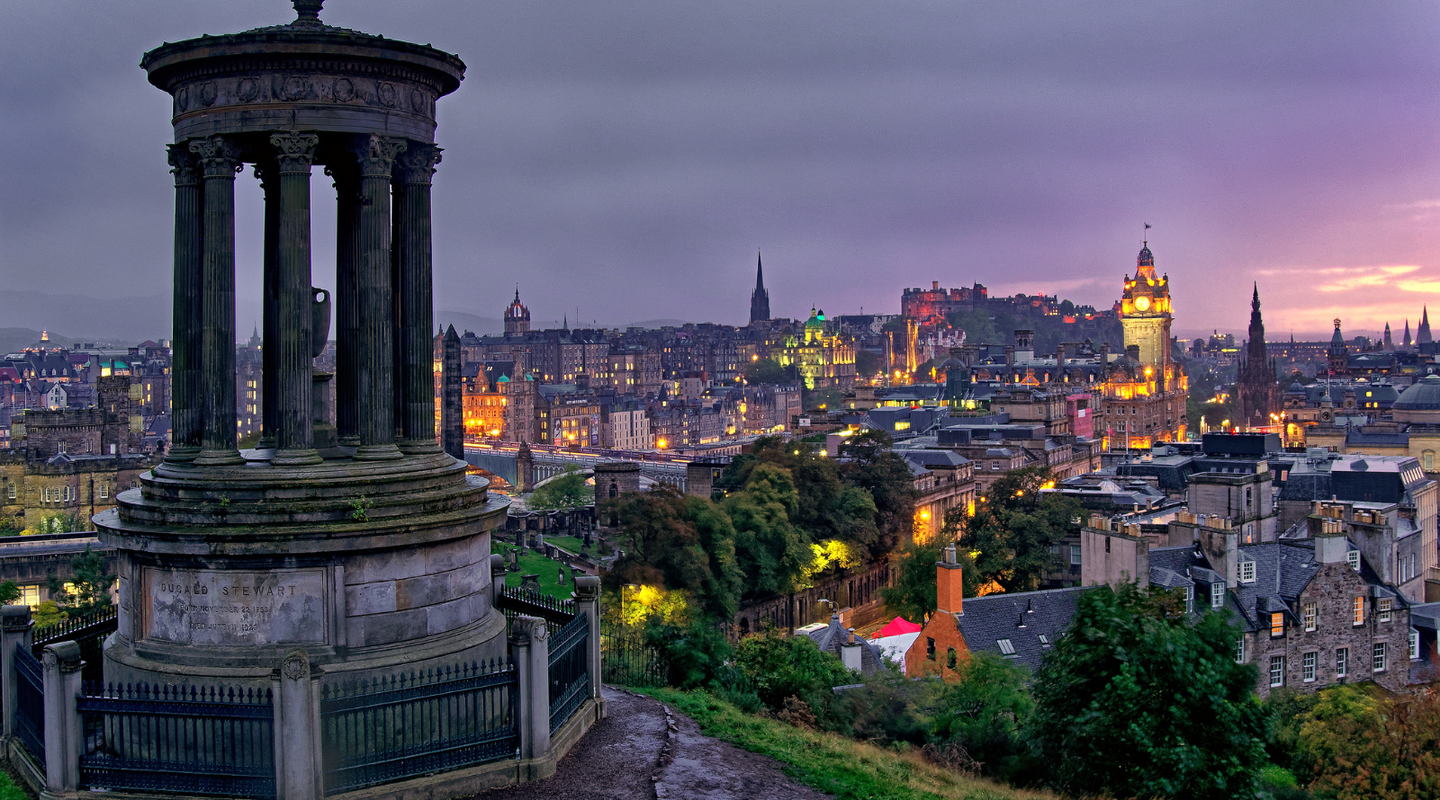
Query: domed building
x,y
1419,403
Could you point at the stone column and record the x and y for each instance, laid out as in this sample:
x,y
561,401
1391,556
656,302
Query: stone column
x,y
220,159
64,734
15,626
347,302
295,443
587,601
296,689
185,406
375,368
415,370
270,300
530,647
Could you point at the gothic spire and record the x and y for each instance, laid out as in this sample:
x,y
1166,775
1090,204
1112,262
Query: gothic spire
x,y
759,273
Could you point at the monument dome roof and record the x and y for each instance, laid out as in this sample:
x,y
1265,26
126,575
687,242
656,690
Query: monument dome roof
x,y
1424,395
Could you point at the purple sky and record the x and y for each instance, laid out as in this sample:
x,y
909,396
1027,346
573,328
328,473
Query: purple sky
x,y
630,157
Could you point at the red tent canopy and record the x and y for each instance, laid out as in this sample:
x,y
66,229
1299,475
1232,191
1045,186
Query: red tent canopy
x,y
898,626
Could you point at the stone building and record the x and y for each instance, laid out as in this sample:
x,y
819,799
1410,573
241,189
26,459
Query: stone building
x,y
1257,390
760,297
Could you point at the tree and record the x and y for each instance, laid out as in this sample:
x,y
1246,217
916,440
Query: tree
x,y
912,594
565,491
1014,528
1136,701
1356,743
986,712
9,593
771,551
768,370
679,543
783,666
871,465
89,586
867,363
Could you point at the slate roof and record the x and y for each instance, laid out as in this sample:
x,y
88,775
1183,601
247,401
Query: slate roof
x,y
830,638
934,458
988,620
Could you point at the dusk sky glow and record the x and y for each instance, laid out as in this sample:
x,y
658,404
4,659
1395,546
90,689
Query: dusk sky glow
x,y
629,158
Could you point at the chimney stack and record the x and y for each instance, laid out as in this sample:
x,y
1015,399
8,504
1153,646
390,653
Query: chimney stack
x,y
949,587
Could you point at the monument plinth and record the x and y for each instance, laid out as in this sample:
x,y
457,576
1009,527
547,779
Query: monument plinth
x,y
366,547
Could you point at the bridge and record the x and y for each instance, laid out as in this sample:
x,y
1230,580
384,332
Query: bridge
x,y
550,461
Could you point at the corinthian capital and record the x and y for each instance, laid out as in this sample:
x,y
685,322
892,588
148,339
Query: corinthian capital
x,y
376,154
183,164
219,156
417,163
294,152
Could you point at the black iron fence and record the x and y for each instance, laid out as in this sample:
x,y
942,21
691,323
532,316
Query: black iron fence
x,y
30,703
569,670
529,602
625,658
88,630
178,739
387,730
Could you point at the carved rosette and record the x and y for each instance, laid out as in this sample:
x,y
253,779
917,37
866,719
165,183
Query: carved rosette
x,y
295,666
219,156
376,155
294,152
417,163
183,164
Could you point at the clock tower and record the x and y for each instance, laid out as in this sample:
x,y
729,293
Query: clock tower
x,y
1145,316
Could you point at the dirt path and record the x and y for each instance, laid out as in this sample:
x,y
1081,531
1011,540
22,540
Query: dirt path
x,y
644,751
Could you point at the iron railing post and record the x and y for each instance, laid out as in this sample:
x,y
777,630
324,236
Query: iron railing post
x,y
15,626
64,731
529,642
298,766
587,601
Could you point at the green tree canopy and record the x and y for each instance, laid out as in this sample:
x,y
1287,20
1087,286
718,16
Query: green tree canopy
x,y
1014,528
912,593
677,542
1138,701
768,370
867,363
564,492
772,552
90,585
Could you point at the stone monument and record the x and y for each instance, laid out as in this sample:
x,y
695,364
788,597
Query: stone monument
x,y
368,549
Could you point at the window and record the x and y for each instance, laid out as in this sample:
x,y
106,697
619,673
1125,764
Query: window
x,y
1074,554
1307,668
1217,594
11,491
1277,624
1384,609
1310,614
1342,662
1277,671
1247,571
1045,640
104,491
29,595
1359,610
929,648
1006,646
951,658
1377,664
1190,599
1353,559
1414,645
1240,650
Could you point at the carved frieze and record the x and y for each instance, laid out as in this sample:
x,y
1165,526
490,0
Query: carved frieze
x,y
268,89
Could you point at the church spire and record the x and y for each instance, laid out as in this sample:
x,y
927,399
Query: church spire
x,y
760,298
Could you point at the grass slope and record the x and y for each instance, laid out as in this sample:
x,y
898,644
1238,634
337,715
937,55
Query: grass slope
x,y
848,769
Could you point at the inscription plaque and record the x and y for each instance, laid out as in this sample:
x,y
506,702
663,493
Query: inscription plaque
x,y
228,607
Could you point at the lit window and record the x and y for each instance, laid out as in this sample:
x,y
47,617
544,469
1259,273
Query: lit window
x,y
1277,624
1277,671
1414,644
1353,559
1384,610
1378,662
1247,571
1217,594
1006,646
1359,610
1342,662
1310,615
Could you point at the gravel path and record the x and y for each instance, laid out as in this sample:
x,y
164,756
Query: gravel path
x,y
644,751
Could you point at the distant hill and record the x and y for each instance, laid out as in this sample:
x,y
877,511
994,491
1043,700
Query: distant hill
x,y
656,323
480,326
13,340
120,320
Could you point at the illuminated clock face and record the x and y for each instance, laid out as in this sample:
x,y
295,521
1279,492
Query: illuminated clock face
x,y
1142,303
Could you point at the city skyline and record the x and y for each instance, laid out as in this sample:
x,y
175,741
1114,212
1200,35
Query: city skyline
x,y
630,160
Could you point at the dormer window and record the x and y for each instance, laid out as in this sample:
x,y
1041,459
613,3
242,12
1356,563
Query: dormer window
x,y
1247,571
1277,624
1353,559
1217,594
